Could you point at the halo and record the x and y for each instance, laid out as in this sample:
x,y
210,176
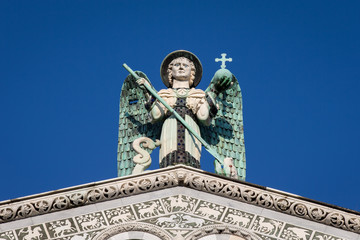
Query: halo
x,y
176,54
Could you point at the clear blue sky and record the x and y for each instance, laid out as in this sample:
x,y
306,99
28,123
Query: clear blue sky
x,y
297,63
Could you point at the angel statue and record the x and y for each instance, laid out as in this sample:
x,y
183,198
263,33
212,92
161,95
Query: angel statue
x,y
181,118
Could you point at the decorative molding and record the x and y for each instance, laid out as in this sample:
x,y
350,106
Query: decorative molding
x,y
275,201
180,216
178,176
128,227
87,194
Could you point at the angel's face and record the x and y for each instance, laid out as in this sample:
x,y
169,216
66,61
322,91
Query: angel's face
x,y
181,69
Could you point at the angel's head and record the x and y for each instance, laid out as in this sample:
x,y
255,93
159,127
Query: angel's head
x,y
175,66
181,69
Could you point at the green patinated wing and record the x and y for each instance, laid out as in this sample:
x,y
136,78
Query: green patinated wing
x,y
226,132
133,123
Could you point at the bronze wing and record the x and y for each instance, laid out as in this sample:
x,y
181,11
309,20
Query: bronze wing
x,y
226,132
133,123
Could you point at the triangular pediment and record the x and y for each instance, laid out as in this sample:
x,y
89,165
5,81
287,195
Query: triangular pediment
x,y
174,203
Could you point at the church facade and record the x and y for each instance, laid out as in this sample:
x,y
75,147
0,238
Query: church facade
x,y
178,202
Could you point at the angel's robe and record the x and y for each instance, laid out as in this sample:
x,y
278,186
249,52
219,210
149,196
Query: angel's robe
x,y
178,145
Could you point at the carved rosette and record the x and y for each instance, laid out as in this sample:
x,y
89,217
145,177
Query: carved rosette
x,y
282,204
300,210
249,195
26,210
42,206
317,214
231,191
265,200
7,214
353,224
78,199
60,203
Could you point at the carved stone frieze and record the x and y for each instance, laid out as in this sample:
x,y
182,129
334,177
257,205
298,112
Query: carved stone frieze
x,y
179,216
98,192
272,199
180,176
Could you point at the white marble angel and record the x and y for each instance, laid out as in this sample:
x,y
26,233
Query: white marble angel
x,y
143,119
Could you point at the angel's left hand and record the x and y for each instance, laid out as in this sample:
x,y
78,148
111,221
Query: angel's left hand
x,y
224,80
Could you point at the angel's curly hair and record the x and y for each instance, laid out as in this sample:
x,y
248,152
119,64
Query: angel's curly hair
x,y
193,71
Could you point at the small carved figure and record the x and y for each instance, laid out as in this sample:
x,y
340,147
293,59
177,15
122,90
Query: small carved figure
x,y
90,224
32,234
300,233
177,202
63,228
212,117
122,217
162,220
193,220
265,226
208,212
236,219
149,210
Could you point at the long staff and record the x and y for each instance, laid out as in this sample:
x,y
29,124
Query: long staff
x,y
177,116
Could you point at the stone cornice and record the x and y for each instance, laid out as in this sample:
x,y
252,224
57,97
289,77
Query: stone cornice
x,y
179,175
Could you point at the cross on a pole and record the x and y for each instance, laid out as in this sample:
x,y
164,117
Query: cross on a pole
x,y
223,59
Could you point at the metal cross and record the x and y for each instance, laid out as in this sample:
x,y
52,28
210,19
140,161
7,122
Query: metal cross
x,y
223,59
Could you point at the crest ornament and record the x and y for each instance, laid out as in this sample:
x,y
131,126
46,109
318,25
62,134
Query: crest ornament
x,y
223,60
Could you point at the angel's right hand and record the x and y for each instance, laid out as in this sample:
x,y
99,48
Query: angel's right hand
x,y
141,82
